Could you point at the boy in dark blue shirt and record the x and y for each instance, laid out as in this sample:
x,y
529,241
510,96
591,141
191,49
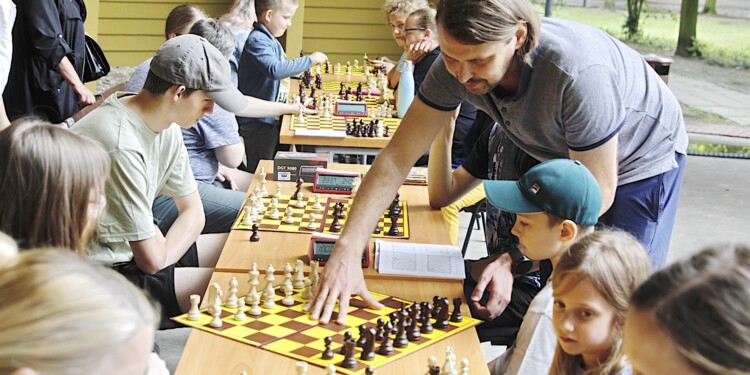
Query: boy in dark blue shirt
x,y
262,67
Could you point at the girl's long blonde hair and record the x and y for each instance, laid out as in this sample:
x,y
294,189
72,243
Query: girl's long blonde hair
x,y
616,264
60,314
47,177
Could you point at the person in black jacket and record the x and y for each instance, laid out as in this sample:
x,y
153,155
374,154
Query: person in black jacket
x,y
47,64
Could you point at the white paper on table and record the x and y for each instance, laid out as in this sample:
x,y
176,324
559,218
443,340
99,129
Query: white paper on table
x,y
413,259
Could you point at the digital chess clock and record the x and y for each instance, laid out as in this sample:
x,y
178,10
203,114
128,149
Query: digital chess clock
x,y
321,249
334,182
350,109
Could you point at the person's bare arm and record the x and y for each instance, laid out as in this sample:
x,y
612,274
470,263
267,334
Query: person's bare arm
x,y
156,253
230,155
446,186
68,72
343,272
393,77
263,108
602,162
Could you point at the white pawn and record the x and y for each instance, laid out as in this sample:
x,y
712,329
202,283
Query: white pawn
x,y
356,63
301,368
299,275
317,204
313,225
288,291
254,308
232,299
263,190
330,370
254,213
247,219
256,191
194,313
287,272
277,194
288,218
300,200
301,115
464,366
240,314
262,174
307,293
326,112
275,203
274,215
268,289
216,321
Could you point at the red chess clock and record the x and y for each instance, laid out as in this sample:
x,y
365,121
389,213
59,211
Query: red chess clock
x,y
350,109
333,182
321,249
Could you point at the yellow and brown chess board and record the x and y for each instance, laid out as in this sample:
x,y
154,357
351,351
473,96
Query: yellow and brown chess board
x,y
301,216
317,122
288,330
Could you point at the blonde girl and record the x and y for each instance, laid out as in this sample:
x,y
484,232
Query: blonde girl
x,y
61,315
52,184
592,283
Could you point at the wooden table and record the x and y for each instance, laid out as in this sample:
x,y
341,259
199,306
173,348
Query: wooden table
x,y
206,353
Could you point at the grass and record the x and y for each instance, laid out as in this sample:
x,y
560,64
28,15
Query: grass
x,y
718,148
721,41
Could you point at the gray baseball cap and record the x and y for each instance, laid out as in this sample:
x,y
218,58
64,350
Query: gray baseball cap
x,y
191,61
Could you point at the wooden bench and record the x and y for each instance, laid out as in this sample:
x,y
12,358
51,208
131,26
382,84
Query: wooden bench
x,y
101,98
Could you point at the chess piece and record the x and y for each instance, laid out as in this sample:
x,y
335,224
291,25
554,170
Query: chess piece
x,y
441,319
432,367
362,338
194,313
317,204
287,273
401,341
301,115
347,337
298,187
274,215
288,291
464,366
313,225
456,316
254,302
253,275
368,348
314,276
268,292
299,275
393,231
340,212
247,219
413,333
369,371
350,358
289,215
335,225
449,366
232,299
263,190
379,330
330,370
214,295
301,368
327,353
386,346
216,320
240,314
254,237
262,174
300,200
254,214
307,293
426,316
278,193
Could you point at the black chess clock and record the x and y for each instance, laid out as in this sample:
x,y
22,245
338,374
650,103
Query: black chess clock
x,y
350,109
321,249
334,182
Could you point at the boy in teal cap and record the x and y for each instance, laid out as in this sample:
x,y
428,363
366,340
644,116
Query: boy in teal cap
x,y
556,203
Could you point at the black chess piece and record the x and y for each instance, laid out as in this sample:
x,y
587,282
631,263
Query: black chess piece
x,y
341,214
362,336
393,231
426,327
327,68
434,370
379,331
441,319
387,132
377,230
342,91
318,81
386,346
335,225
369,371
456,316
347,337
327,353
401,341
368,348
414,334
312,92
350,358
254,237
299,187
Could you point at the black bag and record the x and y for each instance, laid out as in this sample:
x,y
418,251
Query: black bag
x,y
95,64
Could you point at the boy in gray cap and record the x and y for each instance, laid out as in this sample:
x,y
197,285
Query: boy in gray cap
x,y
187,75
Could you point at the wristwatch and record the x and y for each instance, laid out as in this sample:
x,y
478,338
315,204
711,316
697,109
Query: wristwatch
x,y
521,264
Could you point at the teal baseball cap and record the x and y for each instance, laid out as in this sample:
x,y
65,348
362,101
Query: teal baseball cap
x,y
562,187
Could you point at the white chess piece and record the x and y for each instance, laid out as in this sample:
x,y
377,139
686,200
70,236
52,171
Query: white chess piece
x,y
330,370
299,275
254,308
232,299
288,215
356,63
301,368
464,366
216,320
278,193
307,293
254,213
268,288
263,190
274,215
288,291
262,174
300,200
256,191
214,294
314,276
317,204
194,313
253,281
313,225
301,115
287,272
240,314
247,219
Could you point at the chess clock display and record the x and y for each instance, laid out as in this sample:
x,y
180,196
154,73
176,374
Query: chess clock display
x,y
351,109
334,182
321,249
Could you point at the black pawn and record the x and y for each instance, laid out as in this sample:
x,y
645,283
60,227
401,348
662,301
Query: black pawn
x,y
379,331
386,346
328,353
387,132
254,237
362,336
414,334
369,371
350,358
456,316
377,230
340,213
426,322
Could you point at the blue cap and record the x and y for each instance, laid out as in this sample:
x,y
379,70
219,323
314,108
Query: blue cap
x,y
562,187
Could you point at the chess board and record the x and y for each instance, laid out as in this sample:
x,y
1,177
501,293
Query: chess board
x,y
324,215
356,70
288,330
335,86
384,223
316,122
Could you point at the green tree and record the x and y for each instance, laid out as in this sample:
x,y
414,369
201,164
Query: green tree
x,y
688,22
710,7
634,16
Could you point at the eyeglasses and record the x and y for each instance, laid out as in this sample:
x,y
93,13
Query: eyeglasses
x,y
406,31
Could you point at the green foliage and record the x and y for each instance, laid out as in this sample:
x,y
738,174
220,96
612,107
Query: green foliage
x,y
635,7
718,148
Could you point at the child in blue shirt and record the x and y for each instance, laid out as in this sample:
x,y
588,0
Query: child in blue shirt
x,y
262,67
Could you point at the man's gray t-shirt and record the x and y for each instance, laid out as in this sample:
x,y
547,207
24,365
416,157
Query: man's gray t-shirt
x,y
212,131
584,88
